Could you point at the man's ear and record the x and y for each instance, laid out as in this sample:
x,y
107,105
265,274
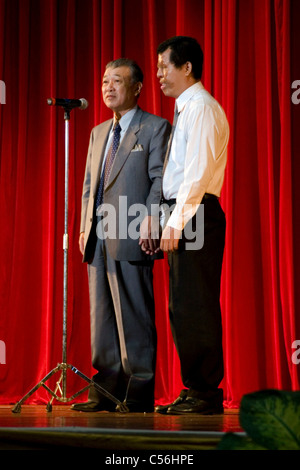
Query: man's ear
x,y
188,68
139,86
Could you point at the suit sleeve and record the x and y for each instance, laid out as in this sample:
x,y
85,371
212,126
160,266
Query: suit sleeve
x,y
86,184
157,152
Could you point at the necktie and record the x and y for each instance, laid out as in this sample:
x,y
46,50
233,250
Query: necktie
x,y
108,163
176,114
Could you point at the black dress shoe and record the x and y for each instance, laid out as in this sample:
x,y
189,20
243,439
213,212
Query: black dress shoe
x,y
162,409
91,406
197,405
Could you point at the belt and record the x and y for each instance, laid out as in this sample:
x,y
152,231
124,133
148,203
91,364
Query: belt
x,y
210,196
170,202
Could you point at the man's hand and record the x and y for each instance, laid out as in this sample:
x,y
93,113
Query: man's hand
x,y
149,235
81,243
170,239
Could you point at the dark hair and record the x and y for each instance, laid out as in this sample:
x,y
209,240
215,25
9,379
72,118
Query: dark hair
x,y
184,49
136,72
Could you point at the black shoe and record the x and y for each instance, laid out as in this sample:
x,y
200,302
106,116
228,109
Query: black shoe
x,y
162,409
197,405
91,406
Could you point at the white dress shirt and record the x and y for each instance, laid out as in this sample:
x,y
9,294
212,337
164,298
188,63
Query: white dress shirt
x,y
198,153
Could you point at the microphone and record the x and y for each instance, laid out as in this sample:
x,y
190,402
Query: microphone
x,y
67,103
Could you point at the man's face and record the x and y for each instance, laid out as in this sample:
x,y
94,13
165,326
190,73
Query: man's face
x,y
172,79
118,91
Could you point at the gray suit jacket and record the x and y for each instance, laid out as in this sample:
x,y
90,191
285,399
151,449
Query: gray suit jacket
x,y
135,179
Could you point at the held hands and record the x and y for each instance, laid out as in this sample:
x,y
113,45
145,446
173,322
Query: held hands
x,y
149,237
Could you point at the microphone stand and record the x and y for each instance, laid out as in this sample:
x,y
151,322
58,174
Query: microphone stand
x,y
61,384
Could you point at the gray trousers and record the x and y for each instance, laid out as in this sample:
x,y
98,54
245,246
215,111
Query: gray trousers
x,y
123,333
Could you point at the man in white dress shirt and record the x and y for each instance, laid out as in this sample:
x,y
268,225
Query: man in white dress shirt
x,y
192,179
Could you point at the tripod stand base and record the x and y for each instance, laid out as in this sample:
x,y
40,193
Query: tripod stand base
x,y
62,397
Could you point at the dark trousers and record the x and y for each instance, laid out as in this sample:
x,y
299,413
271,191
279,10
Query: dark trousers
x,y
194,303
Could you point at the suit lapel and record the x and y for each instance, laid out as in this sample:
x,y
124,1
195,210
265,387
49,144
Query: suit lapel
x,y
127,144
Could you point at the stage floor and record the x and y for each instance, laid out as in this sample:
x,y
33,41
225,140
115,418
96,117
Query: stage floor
x,y
36,428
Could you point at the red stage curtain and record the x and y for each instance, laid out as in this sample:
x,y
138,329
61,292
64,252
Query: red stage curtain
x,y
55,48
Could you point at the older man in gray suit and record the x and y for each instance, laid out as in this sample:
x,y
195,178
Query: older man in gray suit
x,y
129,151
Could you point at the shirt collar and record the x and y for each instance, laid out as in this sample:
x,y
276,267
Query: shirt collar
x,y
126,118
187,94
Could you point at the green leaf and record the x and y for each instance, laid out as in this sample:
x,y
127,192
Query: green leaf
x,y
272,418
231,441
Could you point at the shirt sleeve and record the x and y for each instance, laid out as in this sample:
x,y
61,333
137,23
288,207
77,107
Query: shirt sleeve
x,y
201,132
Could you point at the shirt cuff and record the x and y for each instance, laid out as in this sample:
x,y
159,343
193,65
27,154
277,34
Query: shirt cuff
x,y
181,215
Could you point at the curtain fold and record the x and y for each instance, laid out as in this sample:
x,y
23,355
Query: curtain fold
x,y
52,48
286,239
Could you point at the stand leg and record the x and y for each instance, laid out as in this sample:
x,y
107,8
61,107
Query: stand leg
x,y
17,407
121,407
64,366
58,387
